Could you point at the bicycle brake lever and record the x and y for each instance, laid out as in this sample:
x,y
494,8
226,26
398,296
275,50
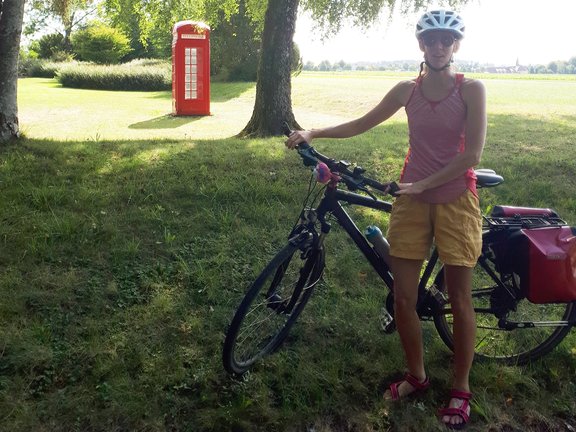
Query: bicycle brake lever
x,y
370,194
286,129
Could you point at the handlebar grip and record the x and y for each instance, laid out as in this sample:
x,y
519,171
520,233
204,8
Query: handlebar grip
x,y
389,188
287,131
393,188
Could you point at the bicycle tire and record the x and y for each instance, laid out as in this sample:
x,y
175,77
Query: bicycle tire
x,y
512,347
259,327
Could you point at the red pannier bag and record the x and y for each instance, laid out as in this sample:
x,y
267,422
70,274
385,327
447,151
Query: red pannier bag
x,y
551,264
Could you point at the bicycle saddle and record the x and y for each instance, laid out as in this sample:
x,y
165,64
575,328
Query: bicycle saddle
x,y
487,178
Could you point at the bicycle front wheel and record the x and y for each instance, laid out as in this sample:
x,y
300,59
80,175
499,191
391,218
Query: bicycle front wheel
x,y
271,306
543,326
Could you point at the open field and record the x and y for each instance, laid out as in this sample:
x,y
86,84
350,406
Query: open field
x,y
49,111
128,238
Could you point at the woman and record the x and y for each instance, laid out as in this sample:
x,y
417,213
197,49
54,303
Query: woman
x,y
437,198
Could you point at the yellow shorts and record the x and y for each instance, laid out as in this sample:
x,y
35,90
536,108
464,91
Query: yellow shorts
x,y
455,228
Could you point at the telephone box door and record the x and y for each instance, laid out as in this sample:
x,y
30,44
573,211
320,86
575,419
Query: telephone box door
x,y
191,68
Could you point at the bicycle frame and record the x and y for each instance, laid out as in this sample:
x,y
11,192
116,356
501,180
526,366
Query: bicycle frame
x,y
280,292
429,297
331,203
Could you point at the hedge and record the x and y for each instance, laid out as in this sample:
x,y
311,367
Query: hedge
x,y
138,75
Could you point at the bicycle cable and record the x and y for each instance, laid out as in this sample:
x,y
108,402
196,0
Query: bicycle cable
x,y
312,185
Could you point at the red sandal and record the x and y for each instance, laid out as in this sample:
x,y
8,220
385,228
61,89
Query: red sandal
x,y
460,411
413,381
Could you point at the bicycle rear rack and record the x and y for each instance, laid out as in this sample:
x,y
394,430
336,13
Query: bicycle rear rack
x,y
524,221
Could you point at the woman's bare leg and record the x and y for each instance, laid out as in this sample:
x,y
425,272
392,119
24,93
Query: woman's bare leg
x,y
406,277
459,284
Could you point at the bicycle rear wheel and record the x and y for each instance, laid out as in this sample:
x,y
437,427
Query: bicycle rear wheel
x,y
545,323
271,306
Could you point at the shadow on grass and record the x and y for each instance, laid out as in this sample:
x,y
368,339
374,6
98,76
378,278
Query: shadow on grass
x,y
123,262
167,121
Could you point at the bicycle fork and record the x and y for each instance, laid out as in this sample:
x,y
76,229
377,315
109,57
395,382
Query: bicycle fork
x,y
310,244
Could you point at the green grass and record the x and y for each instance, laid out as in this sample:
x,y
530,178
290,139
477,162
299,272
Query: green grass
x,y
47,110
125,250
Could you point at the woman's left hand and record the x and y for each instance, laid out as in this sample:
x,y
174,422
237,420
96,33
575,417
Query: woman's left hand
x,y
410,188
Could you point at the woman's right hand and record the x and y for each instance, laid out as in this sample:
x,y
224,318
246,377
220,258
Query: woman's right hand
x,y
297,137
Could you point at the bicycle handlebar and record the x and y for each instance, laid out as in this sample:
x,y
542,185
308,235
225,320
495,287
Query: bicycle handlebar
x,y
354,179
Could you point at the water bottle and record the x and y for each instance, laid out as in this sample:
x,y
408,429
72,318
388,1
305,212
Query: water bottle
x,y
381,245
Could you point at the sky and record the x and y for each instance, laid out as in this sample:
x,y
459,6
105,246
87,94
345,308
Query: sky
x,y
498,32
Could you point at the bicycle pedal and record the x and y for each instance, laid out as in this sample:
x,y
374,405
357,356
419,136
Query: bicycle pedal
x,y
439,296
387,323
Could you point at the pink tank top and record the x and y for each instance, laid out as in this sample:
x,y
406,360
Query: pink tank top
x,y
437,135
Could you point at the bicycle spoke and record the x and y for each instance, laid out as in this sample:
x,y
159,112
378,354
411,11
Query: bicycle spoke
x,y
543,325
270,307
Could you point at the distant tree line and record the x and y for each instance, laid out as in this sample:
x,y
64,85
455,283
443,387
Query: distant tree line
x,y
555,67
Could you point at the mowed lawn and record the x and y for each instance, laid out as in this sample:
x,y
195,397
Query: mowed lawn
x,y
49,111
128,237
529,116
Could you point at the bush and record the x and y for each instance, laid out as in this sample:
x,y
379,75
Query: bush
x,y
43,69
48,45
101,44
245,71
140,75
62,57
26,60
29,65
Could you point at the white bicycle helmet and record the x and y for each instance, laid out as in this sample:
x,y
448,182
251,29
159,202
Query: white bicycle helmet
x,y
441,20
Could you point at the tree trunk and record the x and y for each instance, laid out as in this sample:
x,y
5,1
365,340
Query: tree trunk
x,y
68,24
273,104
11,16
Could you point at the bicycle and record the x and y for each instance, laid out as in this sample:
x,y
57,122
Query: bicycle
x,y
510,329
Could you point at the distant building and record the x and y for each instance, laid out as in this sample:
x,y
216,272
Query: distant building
x,y
517,68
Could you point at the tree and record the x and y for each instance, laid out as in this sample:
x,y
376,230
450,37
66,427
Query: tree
x,y
325,65
148,23
48,45
553,67
273,104
101,44
11,17
235,38
70,13
235,46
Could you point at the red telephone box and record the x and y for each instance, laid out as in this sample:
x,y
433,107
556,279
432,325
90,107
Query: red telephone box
x,y
191,68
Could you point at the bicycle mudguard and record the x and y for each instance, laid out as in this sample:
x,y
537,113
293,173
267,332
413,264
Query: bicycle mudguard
x,y
511,211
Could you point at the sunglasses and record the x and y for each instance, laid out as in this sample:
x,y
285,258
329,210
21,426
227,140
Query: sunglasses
x,y
447,40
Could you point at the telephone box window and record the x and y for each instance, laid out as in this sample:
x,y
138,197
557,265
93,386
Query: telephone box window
x,y
191,73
